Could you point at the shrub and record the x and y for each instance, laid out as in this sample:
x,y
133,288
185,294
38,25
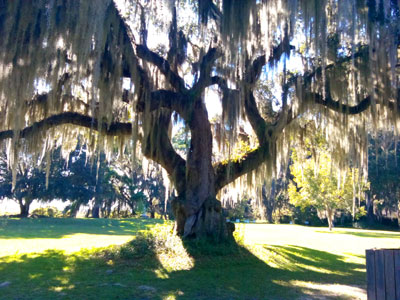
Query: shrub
x,y
158,242
47,212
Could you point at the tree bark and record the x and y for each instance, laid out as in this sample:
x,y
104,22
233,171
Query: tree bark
x,y
24,208
269,200
398,213
329,216
96,211
197,211
206,222
370,207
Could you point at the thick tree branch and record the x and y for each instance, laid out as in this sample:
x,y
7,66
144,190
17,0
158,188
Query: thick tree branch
x,y
163,65
206,65
284,119
228,171
161,152
164,99
339,107
157,146
257,122
308,76
72,118
253,73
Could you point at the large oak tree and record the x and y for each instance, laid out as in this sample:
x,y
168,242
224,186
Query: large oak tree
x,y
125,69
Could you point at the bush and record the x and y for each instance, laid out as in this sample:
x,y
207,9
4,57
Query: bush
x,y
240,210
158,242
308,216
46,212
122,213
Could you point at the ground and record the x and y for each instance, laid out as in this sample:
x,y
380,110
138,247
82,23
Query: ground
x,y
274,262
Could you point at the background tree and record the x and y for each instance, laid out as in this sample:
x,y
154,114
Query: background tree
x,y
100,69
316,182
383,174
103,185
140,190
31,182
75,180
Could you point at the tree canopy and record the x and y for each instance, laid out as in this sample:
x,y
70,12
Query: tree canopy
x,y
126,69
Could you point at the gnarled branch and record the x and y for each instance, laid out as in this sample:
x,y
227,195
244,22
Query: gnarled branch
x,y
163,65
164,99
157,146
228,171
116,128
161,152
307,76
253,73
206,65
338,106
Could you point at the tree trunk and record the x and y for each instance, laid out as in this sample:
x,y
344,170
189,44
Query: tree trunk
x,y
99,190
197,211
96,211
370,208
24,208
269,201
108,210
152,208
398,218
75,206
208,221
329,216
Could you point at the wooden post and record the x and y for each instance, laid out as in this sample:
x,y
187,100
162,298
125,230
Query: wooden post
x,y
396,255
383,274
389,275
371,288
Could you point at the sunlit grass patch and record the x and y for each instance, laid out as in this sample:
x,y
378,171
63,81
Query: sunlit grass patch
x,y
336,291
70,235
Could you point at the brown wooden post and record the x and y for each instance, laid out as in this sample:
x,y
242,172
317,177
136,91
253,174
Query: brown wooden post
x,y
383,274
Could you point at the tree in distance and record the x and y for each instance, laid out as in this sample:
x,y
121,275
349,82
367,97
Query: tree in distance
x,y
316,181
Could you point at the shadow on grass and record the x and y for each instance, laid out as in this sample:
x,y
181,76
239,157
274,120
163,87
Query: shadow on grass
x,y
59,227
365,234
137,271
317,266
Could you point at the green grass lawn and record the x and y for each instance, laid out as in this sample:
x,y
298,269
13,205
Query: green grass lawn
x,y
45,259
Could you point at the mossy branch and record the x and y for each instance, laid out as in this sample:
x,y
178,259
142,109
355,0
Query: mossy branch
x,y
308,76
338,106
161,151
164,99
228,171
206,64
157,146
163,65
115,128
